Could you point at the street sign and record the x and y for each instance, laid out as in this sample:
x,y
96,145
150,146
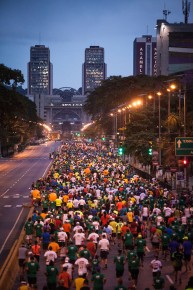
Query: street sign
x,y
184,146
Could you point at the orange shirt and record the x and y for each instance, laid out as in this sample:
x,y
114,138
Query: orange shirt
x,y
52,196
35,193
43,215
65,277
65,198
67,227
119,205
124,230
36,250
55,246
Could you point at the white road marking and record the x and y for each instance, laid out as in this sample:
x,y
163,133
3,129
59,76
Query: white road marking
x,y
6,196
19,205
46,169
7,205
169,279
2,247
147,249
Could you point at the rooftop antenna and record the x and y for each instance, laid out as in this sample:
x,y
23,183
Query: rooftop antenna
x,y
186,10
165,12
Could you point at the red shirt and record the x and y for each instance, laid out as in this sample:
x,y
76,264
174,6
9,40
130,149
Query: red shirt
x,y
91,247
105,219
65,277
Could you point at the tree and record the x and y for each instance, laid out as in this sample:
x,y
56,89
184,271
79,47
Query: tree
x,y
18,117
9,76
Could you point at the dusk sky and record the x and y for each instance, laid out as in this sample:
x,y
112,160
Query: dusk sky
x,y
67,27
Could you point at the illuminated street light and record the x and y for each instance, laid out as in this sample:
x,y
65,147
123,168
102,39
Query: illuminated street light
x,y
159,126
172,87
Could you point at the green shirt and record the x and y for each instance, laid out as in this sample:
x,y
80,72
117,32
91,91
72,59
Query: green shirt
x,y
134,264
98,280
128,239
32,268
72,250
130,256
120,287
52,273
38,230
119,262
159,282
29,228
85,253
165,239
140,243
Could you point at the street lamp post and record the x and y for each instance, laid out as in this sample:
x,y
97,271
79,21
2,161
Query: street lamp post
x,y
185,169
159,127
171,88
114,115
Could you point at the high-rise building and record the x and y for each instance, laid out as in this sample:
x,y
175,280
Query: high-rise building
x,y
40,71
174,47
144,56
94,69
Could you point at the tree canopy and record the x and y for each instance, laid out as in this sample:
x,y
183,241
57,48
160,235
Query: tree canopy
x,y
18,117
118,92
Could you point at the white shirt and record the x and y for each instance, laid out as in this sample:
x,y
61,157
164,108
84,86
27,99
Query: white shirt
x,y
79,238
62,236
96,225
156,265
159,219
50,256
167,211
156,210
104,244
145,212
82,202
82,264
75,203
69,268
78,227
94,236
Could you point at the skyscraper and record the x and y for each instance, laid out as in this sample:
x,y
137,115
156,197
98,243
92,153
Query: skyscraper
x,y
145,56
40,75
174,47
94,69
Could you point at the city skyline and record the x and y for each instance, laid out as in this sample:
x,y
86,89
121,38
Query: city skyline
x,y
69,27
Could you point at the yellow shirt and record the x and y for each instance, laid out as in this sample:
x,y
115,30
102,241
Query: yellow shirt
x,y
70,204
58,202
79,282
113,224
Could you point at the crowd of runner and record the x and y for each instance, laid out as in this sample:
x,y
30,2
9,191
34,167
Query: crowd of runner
x,y
91,202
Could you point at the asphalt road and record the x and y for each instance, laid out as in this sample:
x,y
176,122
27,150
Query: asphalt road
x,y
16,176
145,279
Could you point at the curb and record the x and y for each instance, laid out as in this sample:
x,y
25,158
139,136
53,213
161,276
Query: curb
x,y
10,268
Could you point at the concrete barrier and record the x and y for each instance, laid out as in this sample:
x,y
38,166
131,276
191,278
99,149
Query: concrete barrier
x,y
10,268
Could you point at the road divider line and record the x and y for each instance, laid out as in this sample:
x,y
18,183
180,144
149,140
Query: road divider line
x,y
2,247
47,169
5,192
169,279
